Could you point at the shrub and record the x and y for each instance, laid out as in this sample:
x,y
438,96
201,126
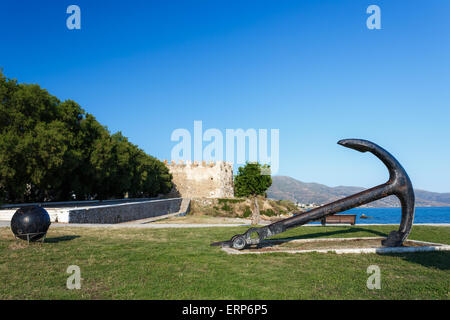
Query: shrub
x,y
227,208
247,212
225,200
268,213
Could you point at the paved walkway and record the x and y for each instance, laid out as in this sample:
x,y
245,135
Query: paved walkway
x,y
197,225
137,225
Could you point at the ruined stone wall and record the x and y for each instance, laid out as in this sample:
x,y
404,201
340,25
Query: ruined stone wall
x,y
202,180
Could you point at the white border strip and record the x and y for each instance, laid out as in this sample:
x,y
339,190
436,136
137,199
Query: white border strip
x,y
429,248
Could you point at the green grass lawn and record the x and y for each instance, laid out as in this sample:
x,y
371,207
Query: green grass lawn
x,y
180,264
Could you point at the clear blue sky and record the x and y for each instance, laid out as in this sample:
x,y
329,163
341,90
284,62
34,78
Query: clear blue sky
x,y
311,69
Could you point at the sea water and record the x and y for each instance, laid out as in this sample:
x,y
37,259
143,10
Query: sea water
x,y
393,215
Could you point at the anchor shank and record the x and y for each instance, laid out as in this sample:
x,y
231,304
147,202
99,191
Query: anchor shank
x,y
344,204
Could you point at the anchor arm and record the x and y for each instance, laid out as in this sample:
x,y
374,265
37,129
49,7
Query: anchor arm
x,y
399,182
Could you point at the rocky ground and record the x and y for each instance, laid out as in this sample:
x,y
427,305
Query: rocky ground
x,y
270,210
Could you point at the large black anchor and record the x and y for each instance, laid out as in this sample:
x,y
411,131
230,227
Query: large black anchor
x,y
398,185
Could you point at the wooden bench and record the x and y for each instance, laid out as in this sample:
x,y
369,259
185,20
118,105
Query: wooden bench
x,y
339,218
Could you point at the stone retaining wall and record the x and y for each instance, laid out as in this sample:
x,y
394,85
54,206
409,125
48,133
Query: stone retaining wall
x,y
121,212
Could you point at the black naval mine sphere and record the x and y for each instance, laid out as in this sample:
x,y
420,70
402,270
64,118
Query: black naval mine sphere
x,y
30,223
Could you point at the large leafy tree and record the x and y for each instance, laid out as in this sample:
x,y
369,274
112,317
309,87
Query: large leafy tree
x,y
53,150
252,180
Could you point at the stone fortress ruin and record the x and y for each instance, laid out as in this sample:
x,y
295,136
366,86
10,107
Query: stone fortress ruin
x,y
201,179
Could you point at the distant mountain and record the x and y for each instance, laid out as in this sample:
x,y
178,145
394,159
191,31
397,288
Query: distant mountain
x,y
287,188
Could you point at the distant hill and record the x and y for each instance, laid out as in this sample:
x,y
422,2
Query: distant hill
x,y
287,188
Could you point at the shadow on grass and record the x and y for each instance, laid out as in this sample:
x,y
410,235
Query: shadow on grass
x,y
331,233
438,260
60,239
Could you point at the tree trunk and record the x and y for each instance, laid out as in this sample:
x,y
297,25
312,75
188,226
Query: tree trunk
x,y
255,212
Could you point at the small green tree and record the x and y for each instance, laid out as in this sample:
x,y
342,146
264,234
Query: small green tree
x,y
252,180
